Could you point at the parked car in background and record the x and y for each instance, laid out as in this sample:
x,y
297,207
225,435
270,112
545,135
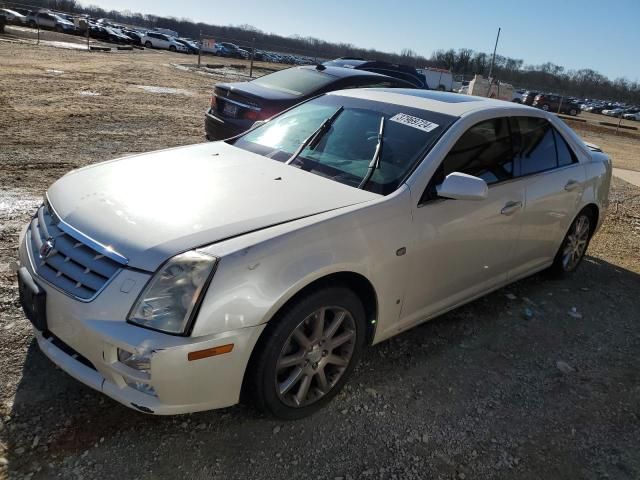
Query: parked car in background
x,y
230,50
191,47
134,35
235,107
51,21
261,267
556,104
12,17
163,42
528,97
613,112
403,72
518,95
632,116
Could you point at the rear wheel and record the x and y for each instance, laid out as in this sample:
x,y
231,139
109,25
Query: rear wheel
x,y
441,88
59,29
172,48
573,112
574,245
32,24
308,353
148,44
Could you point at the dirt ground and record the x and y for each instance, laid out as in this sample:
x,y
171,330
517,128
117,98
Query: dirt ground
x,y
544,383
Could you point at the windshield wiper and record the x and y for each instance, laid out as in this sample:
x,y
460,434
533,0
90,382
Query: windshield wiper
x,y
313,139
375,161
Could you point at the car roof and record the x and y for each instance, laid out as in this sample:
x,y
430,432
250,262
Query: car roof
x,y
342,72
435,101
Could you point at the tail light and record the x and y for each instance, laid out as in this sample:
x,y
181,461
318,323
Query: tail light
x,y
214,102
253,115
262,114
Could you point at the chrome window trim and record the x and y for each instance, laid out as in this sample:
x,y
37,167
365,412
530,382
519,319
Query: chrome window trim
x,y
81,237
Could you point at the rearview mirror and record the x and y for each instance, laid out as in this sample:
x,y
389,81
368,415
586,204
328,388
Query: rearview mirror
x,y
460,186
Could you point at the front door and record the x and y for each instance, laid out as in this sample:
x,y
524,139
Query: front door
x,y
463,248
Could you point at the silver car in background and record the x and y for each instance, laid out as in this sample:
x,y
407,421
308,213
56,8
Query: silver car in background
x,y
176,281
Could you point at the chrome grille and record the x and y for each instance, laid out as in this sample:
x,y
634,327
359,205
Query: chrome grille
x,y
71,265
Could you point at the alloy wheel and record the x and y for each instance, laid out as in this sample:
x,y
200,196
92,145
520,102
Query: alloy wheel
x,y
315,356
576,243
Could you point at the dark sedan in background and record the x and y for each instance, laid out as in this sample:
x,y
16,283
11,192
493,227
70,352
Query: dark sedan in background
x,y
235,107
403,72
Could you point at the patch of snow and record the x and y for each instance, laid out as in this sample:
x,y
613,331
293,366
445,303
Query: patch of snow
x,y
168,90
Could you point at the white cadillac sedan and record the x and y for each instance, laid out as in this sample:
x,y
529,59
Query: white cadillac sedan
x,y
261,266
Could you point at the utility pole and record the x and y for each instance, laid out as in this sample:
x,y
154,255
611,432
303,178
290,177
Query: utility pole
x,y
493,59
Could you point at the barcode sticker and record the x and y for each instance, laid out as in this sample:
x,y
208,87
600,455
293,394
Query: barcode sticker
x,y
414,122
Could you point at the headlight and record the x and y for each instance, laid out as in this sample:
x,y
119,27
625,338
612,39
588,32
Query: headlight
x,y
171,299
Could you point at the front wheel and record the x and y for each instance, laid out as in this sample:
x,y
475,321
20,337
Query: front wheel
x,y
574,245
148,44
573,112
308,353
172,48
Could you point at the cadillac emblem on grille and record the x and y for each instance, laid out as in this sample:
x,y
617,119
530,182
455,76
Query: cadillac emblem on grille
x,y
47,248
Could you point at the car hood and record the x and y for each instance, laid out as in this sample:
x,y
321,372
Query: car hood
x,y
150,207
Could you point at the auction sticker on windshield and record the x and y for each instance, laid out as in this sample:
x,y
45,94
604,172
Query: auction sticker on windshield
x,y
414,122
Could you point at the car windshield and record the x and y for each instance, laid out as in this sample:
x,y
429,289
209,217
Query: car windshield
x,y
345,150
295,81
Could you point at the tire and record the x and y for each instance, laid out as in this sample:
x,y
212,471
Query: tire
x,y
574,245
441,88
32,24
148,44
59,29
172,48
545,107
290,381
573,112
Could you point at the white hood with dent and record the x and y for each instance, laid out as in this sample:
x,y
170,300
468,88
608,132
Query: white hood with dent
x,y
150,207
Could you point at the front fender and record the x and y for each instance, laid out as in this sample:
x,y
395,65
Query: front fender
x,y
260,272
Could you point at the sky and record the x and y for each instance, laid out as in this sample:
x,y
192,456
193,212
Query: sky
x,y
602,35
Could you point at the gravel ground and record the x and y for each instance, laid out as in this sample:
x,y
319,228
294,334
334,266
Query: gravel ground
x,y
538,380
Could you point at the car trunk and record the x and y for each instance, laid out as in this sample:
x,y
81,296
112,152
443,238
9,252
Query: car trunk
x,y
250,101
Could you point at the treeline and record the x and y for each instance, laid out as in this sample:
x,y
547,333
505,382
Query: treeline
x,y
547,77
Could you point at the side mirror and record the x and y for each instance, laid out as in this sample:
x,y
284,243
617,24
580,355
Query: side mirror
x,y
460,186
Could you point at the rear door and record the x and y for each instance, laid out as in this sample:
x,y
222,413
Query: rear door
x,y
554,181
463,248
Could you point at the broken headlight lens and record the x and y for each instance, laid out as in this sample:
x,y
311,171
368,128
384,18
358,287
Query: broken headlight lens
x,y
169,300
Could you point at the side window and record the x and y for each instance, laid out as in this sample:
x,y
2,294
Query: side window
x,y
565,154
536,151
484,151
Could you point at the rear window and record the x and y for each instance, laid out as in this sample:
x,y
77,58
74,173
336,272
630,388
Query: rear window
x,y
295,81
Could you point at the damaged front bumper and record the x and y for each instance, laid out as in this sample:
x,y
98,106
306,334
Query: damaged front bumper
x,y
91,342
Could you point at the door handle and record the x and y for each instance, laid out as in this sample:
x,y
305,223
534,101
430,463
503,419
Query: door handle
x,y
510,208
571,185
